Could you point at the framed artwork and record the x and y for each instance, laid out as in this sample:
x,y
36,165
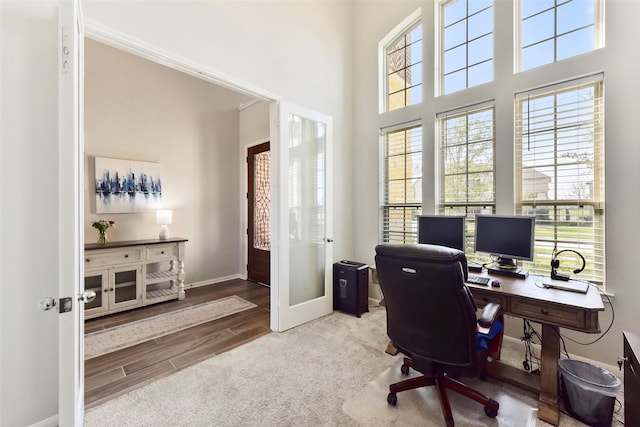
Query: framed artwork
x,y
127,186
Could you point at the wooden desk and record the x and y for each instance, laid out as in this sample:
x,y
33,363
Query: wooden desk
x,y
553,309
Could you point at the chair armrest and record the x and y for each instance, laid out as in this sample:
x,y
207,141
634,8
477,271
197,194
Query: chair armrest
x,y
489,314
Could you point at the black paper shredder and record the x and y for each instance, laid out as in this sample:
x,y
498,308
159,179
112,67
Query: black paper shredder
x,y
351,287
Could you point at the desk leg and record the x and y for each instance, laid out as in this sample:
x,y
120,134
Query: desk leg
x,y
548,403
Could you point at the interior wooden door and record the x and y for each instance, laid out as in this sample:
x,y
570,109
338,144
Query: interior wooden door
x,y
259,215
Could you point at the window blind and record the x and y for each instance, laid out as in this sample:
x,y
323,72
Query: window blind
x,y
560,173
402,184
466,170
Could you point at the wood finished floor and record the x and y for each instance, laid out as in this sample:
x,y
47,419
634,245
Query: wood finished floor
x,y
116,373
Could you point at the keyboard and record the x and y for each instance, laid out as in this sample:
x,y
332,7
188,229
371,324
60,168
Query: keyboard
x,y
478,280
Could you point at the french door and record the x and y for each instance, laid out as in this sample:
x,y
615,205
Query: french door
x,y
302,266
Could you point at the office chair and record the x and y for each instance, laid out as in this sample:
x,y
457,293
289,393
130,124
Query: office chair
x,y
431,318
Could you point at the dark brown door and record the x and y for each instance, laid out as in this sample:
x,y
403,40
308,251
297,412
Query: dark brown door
x,y
259,202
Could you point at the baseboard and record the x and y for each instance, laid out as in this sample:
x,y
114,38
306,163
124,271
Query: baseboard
x,y
214,281
47,422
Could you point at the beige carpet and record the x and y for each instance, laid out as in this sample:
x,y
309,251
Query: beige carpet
x,y
119,337
329,372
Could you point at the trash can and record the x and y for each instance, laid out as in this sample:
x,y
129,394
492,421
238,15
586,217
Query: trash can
x,y
589,392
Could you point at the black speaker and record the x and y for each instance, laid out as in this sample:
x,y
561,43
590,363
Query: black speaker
x,y
351,287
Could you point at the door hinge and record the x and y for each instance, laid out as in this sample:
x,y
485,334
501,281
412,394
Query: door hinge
x,y
66,52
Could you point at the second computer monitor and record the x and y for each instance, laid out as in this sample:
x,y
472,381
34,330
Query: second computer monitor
x,y
443,230
507,237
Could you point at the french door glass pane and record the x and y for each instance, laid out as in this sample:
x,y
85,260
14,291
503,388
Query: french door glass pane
x,y
306,209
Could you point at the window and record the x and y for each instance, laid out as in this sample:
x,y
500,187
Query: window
x,y
467,164
466,33
560,172
402,189
403,70
552,30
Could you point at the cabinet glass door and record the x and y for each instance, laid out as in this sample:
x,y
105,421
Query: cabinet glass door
x,y
97,282
125,287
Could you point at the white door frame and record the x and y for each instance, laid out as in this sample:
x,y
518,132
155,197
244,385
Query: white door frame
x,y
74,240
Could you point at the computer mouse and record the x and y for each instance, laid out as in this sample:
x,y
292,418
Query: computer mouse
x,y
495,283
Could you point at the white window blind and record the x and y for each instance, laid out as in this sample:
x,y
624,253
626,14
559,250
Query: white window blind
x,y
560,173
402,184
467,164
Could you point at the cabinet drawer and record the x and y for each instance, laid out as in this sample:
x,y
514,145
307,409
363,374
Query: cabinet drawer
x,y
484,298
560,316
108,258
162,252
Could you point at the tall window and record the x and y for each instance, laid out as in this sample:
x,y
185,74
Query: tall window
x,y
552,30
466,33
402,189
403,58
560,172
467,164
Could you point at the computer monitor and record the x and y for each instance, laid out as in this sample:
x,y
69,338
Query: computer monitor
x,y
443,230
509,238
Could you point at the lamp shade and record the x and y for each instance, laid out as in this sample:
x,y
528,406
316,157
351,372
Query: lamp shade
x,y
164,216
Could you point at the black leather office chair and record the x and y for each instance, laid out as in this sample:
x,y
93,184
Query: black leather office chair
x,y
431,318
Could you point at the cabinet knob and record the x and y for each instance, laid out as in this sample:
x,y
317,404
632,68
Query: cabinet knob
x,y
126,255
87,260
162,252
111,289
545,311
106,290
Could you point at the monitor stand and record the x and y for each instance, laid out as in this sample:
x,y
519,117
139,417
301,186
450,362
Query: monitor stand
x,y
517,272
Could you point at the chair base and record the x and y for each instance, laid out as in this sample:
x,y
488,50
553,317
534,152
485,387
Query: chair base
x,y
442,382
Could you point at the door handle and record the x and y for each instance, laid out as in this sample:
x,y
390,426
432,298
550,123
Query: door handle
x,y
64,304
87,296
328,240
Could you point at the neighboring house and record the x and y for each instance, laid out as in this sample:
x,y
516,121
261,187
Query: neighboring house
x,y
535,185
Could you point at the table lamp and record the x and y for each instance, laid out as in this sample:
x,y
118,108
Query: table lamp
x,y
163,218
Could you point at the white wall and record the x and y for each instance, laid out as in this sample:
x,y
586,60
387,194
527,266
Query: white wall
x,y
28,218
137,109
374,20
301,51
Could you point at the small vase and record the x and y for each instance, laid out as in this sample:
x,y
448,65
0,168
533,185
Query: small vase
x,y
102,237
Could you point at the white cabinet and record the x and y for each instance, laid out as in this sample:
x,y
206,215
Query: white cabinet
x,y
131,274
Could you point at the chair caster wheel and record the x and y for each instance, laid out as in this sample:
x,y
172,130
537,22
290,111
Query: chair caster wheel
x,y
392,399
404,369
491,413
